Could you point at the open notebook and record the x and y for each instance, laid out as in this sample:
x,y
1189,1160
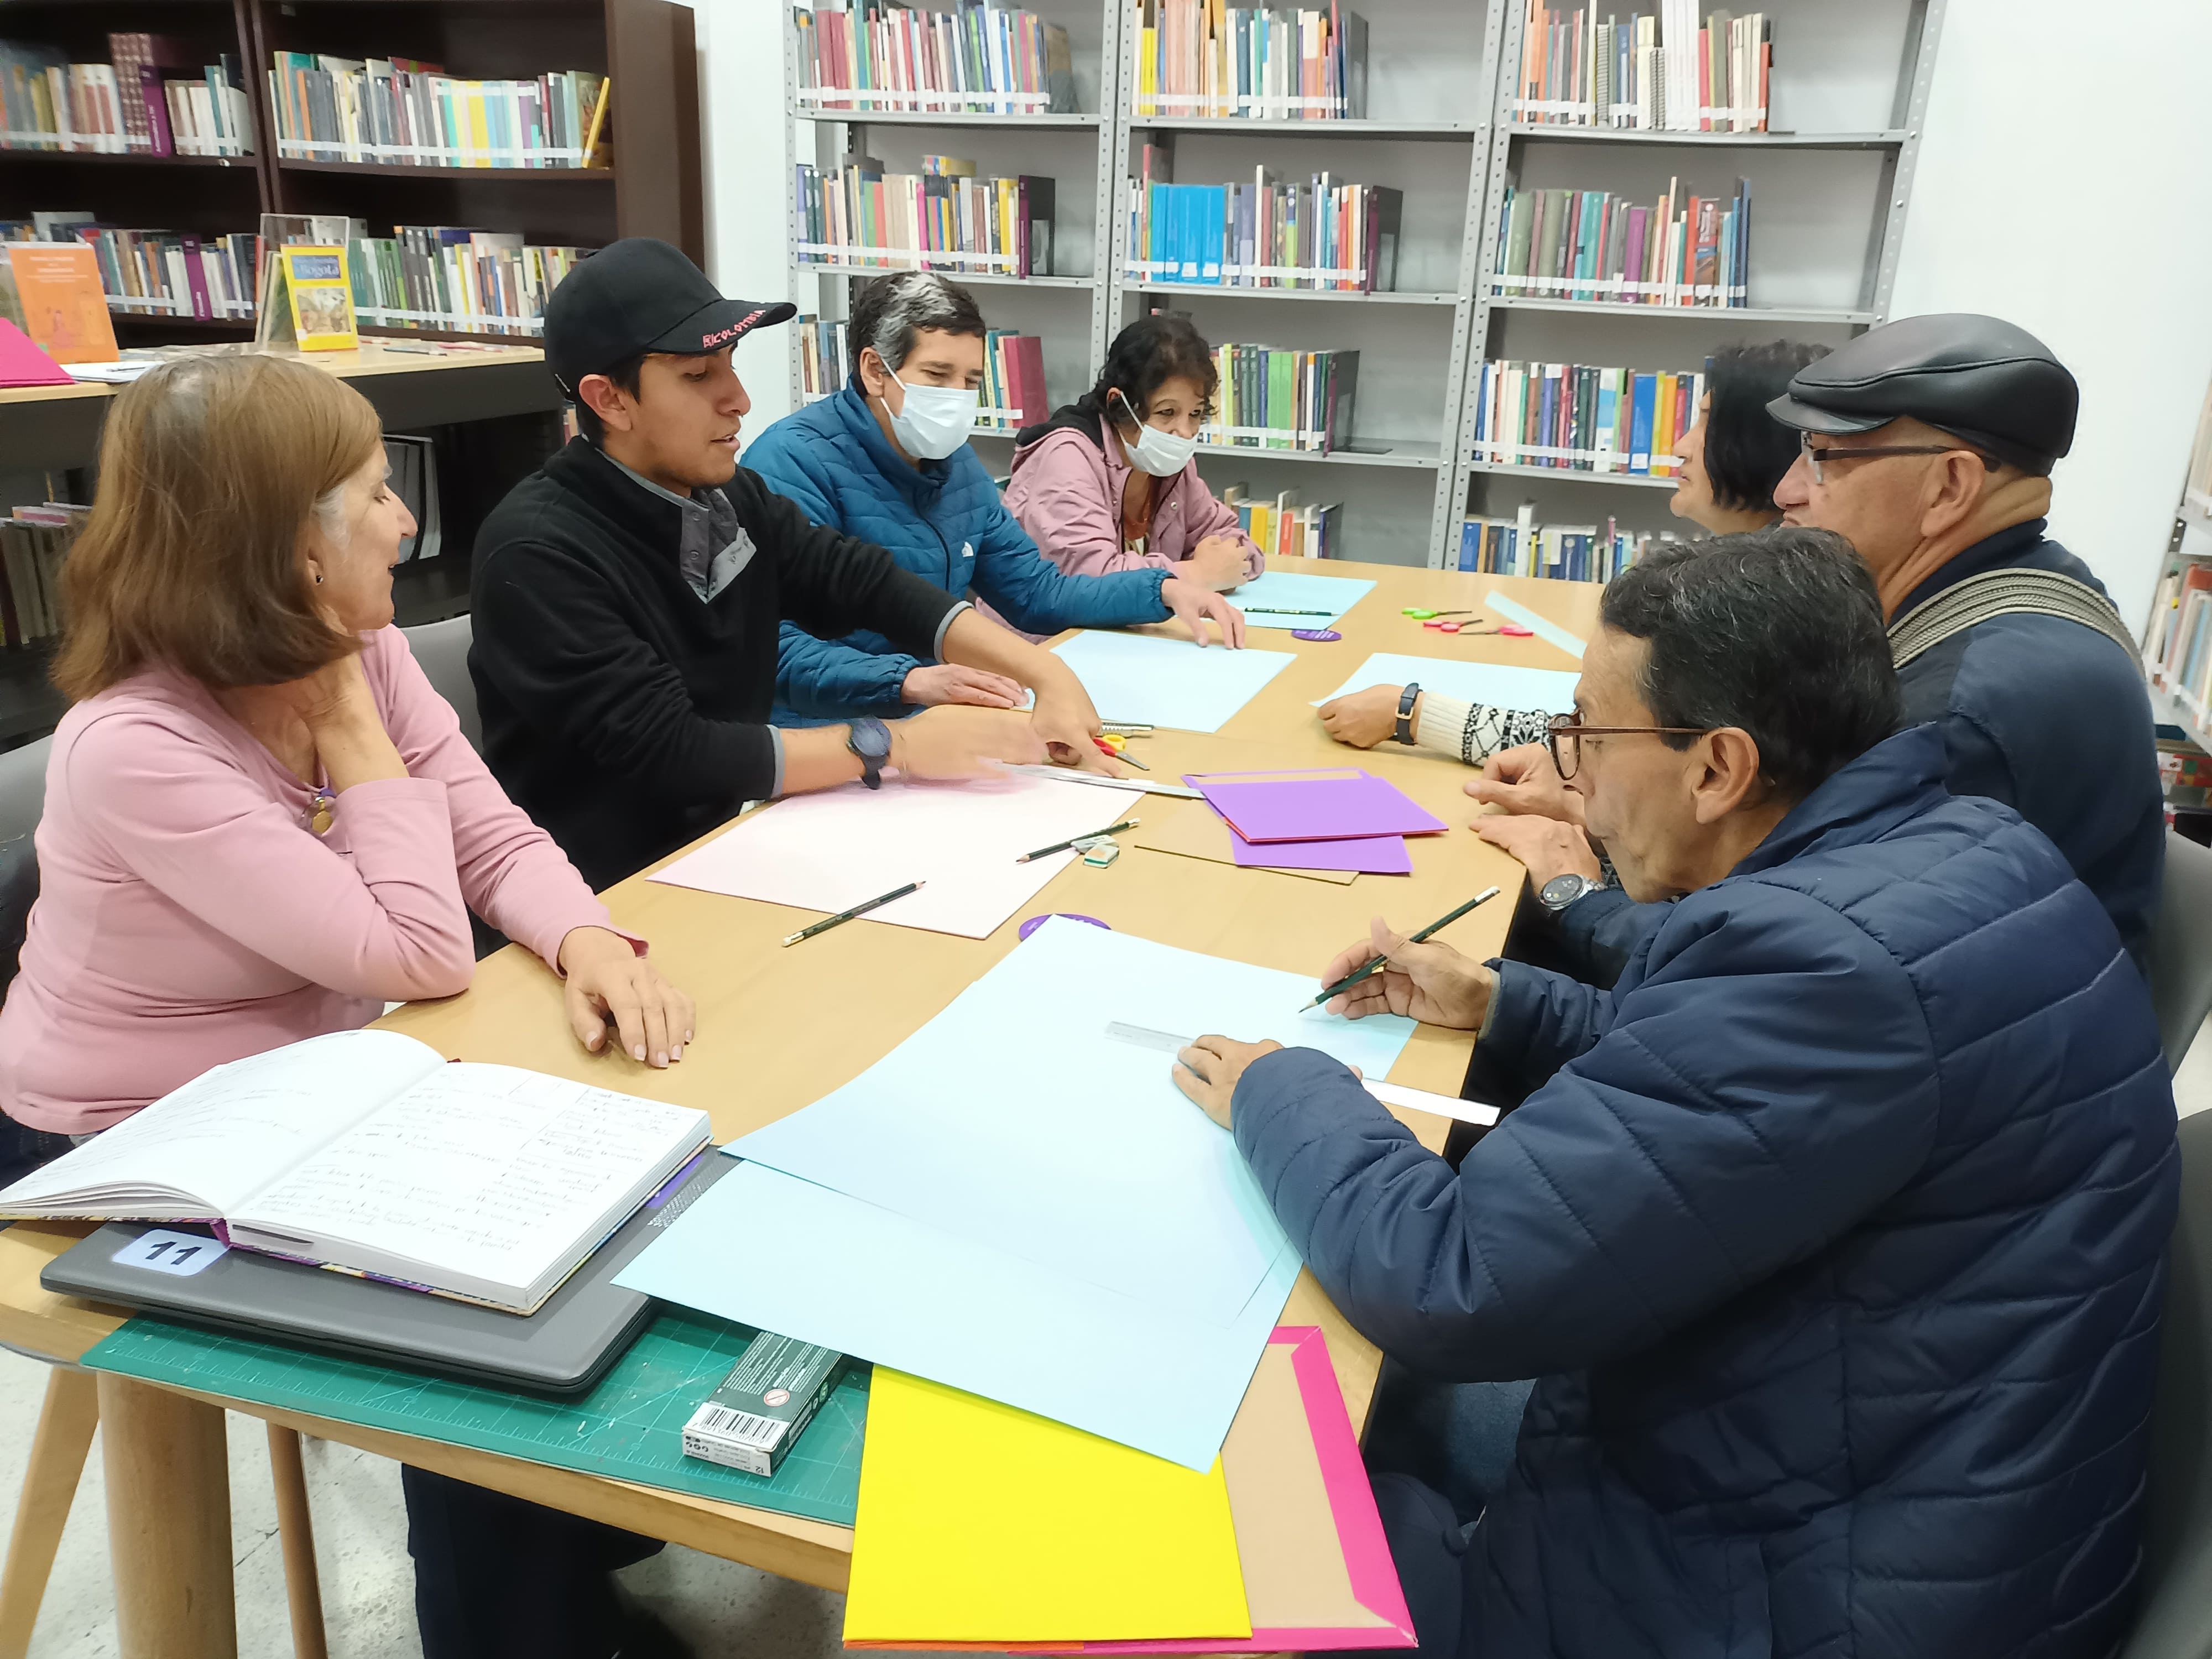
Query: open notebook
x,y
367,1152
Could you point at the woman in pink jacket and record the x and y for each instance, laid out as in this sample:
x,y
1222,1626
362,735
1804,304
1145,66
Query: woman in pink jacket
x,y
1110,482
261,823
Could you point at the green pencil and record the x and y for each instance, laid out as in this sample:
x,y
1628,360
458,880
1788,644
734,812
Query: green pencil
x,y
1369,971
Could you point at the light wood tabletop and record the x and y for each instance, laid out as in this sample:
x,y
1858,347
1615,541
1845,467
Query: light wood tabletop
x,y
376,355
779,1029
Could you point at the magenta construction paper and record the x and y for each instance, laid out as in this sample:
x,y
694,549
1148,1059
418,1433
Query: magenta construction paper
x,y
1336,804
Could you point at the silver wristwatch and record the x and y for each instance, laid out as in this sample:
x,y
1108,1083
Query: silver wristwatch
x,y
1557,894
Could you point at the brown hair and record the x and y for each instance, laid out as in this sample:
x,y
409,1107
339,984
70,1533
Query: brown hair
x,y
210,470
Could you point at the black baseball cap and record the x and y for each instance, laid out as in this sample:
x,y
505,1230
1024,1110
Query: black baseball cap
x,y
641,294
1995,387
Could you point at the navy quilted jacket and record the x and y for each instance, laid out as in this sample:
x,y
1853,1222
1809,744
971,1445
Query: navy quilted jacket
x,y
1836,1238
942,521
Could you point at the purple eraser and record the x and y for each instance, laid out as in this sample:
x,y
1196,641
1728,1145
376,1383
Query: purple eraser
x,y
1318,635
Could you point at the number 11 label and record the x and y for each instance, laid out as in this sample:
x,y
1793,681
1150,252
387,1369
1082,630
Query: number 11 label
x,y
164,1252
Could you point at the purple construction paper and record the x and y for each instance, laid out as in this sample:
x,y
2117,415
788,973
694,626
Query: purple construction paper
x,y
1372,855
1337,805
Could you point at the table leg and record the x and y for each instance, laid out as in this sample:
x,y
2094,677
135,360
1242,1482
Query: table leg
x,y
295,1528
64,1435
169,1522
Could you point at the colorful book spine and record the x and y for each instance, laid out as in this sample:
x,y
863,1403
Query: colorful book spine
x,y
1594,247
1578,418
1665,73
965,226
448,279
160,273
1200,59
395,110
1520,547
1320,233
975,60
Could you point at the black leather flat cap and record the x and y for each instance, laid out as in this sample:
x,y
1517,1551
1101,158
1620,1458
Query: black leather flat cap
x,y
1994,385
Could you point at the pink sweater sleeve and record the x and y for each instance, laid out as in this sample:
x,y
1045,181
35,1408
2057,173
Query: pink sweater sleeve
x,y
1061,495
189,822
512,873
1209,515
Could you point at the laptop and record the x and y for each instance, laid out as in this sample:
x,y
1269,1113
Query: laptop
x,y
182,1273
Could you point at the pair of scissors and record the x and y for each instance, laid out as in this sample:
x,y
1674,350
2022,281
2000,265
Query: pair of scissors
x,y
1421,615
1511,630
1115,744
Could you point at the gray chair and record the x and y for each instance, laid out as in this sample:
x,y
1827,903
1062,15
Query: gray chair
x,y
2175,1616
2181,947
23,787
442,649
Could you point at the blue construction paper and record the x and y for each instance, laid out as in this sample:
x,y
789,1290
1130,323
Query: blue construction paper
x,y
1013,1122
788,1256
1335,595
1550,689
1148,680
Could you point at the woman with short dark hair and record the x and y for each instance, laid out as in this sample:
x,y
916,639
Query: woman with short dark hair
x,y
1110,482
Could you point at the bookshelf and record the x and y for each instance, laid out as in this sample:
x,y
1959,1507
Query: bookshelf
x,y
2175,703
1830,185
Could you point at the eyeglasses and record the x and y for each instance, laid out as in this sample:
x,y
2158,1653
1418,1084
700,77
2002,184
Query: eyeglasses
x,y
1820,459
1564,738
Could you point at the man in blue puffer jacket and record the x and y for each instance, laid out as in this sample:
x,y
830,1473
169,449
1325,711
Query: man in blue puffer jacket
x,y
1835,1233
887,458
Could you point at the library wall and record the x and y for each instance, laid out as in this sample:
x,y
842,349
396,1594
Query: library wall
x,y
2087,228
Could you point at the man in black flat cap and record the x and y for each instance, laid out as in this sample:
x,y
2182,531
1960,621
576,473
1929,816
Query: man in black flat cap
x,y
1930,443
627,596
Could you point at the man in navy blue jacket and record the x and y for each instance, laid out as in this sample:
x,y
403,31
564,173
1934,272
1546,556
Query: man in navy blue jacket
x,y
1835,1233
887,459
1929,443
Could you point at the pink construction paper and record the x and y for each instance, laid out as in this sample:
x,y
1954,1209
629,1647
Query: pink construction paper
x,y
21,362
1337,805
1374,855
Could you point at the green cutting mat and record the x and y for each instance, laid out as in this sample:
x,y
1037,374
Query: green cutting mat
x,y
629,1427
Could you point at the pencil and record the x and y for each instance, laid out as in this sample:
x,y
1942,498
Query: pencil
x,y
1285,611
1063,846
1436,927
828,923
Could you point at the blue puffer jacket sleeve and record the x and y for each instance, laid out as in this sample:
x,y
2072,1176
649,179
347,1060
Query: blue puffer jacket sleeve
x,y
1659,1174
1539,1020
826,679
1600,931
1037,597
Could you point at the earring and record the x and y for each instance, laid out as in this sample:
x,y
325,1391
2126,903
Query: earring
x,y
318,579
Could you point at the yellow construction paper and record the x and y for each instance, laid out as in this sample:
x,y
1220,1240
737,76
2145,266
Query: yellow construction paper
x,y
978,1522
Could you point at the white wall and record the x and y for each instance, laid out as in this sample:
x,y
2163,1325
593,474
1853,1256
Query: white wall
x,y
2066,185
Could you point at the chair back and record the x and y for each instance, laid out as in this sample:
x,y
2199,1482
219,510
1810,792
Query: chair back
x,y
2181,947
2174,1606
22,799
442,649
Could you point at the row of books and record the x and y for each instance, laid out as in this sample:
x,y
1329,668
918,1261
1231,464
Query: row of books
x,y
33,542
2177,646
1285,528
402,111
976,59
1519,546
1271,398
1594,245
168,273
1664,74
861,216
1320,233
455,278
1198,59
1580,419
1012,395
150,100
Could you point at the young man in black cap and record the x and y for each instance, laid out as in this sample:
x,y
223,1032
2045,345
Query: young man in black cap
x,y
1929,442
628,597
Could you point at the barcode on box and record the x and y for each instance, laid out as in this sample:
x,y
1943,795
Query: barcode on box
x,y
738,1425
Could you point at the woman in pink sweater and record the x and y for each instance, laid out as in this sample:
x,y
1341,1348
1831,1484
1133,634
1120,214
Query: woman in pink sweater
x,y
261,823
1110,482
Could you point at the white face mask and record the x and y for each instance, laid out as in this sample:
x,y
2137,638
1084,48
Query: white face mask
x,y
934,421
1162,455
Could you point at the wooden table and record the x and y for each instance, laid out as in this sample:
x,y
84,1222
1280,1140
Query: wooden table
x,y
52,428
779,1029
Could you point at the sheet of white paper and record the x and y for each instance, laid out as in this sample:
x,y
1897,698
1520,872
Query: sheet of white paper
x,y
1014,1122
765,1250
1161,682
1334,594
1550,689
830,851
237,1127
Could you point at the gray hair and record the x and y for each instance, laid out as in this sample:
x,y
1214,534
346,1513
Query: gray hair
x,y
889,313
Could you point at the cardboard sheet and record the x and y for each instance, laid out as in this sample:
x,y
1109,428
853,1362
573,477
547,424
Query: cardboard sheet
x,y
1196,831
1550,689
1153,681
830,851
978,1522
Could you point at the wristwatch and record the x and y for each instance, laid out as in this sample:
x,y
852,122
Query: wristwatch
x,y
1557,894
870,739
1405,700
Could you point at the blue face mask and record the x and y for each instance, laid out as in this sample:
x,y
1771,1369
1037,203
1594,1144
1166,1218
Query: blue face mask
x,y
934,421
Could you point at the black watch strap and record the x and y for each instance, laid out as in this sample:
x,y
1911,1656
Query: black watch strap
x,y
1405,700
871,740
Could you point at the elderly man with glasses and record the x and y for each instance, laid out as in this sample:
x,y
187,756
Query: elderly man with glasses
x,y
1834,1234
1929,443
